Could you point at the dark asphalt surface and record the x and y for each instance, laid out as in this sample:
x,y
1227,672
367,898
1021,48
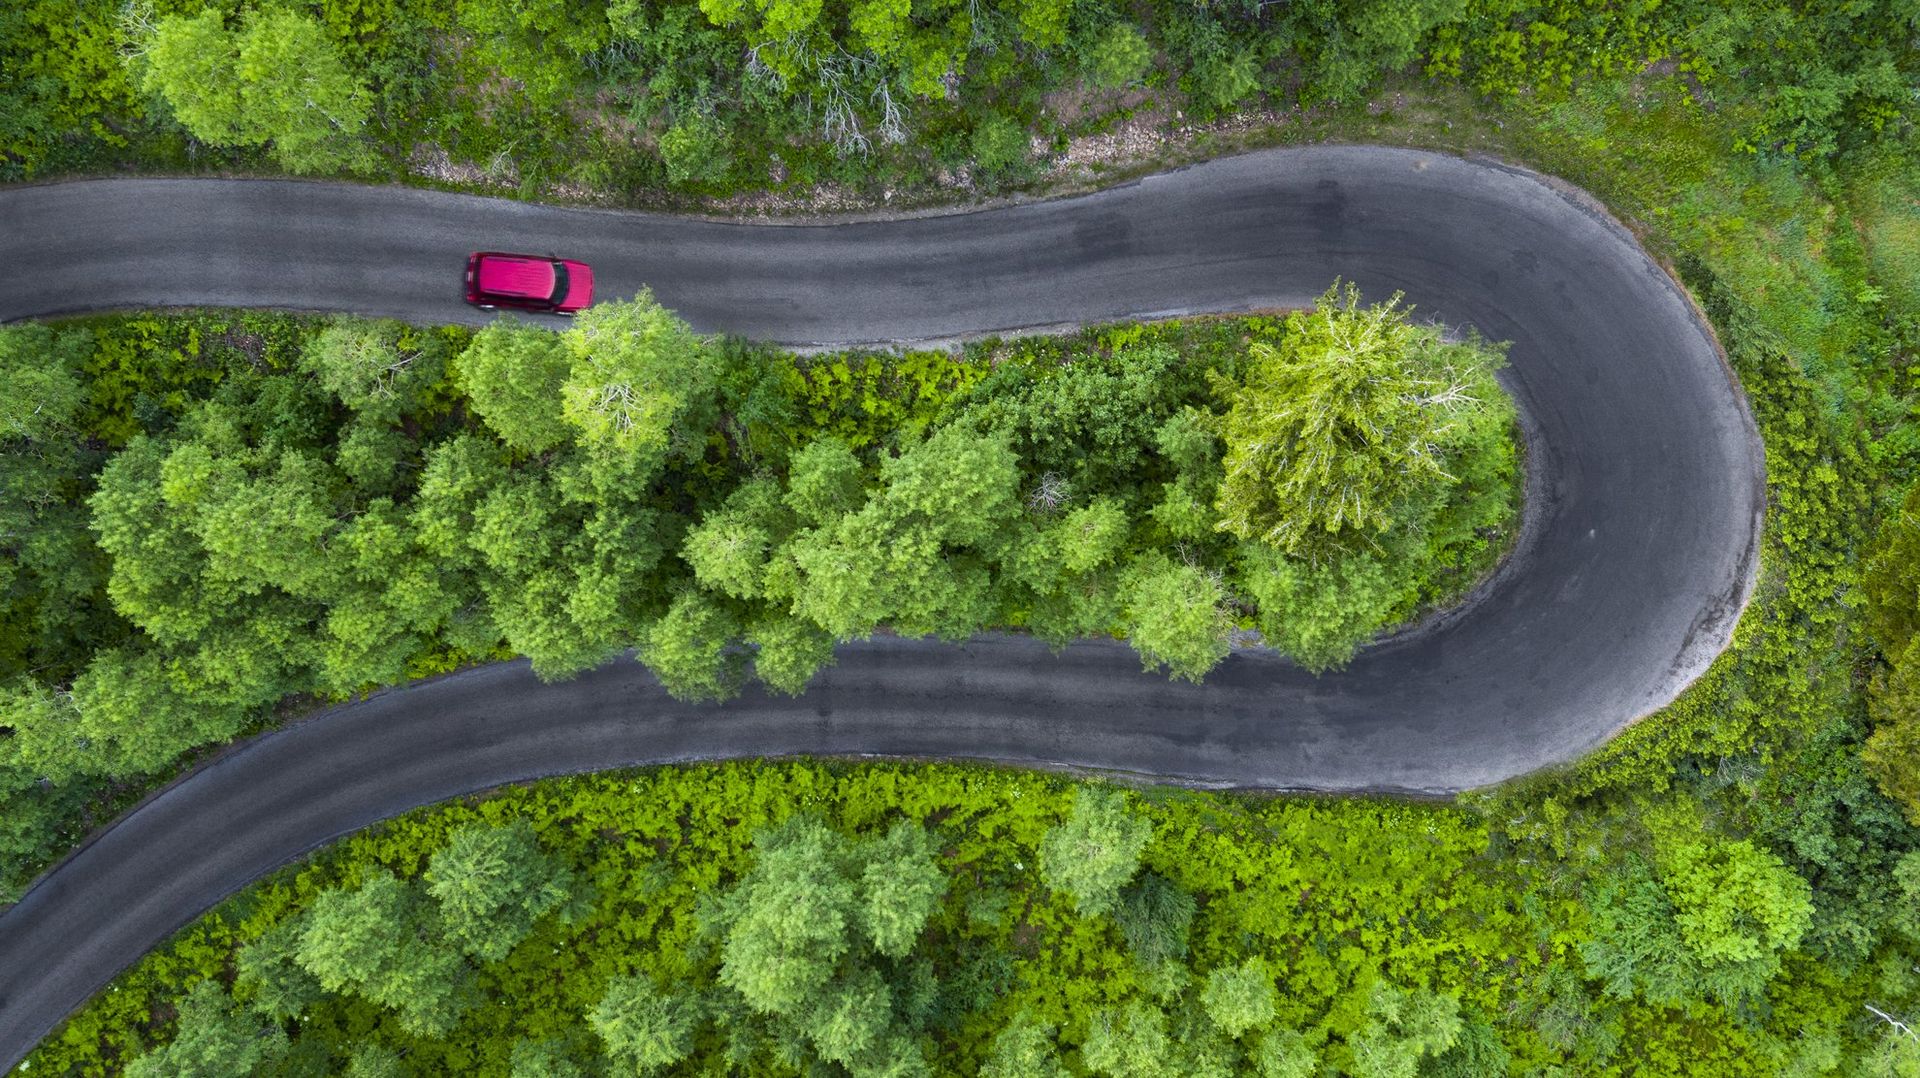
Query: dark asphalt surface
x,y
1645,499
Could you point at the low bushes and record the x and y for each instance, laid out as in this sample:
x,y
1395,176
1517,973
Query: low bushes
x,y
881,919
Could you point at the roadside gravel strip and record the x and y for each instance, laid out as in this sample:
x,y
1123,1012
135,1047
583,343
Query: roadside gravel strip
x,y
1645,494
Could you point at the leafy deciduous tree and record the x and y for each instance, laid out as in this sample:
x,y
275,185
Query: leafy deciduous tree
x,y
1240,998
915,555
1119,57
1715,925
39,367
1402,1027
270,976
638,375
492,883
278,79
213,1040
1129,1042
689,648
376,1061
803,938
513,374
1319,613
382,941
548,1058
902,883
1735,902
824,481
1093,854
1285,1053
1891,582
1176,616
1024,1049
788,651
643,1028
363,362
1356,412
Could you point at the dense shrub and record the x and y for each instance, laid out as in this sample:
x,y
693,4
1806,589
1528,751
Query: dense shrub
x,y
1891,581
900,920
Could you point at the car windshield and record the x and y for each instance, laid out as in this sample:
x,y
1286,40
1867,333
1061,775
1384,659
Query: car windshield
x,y
559,282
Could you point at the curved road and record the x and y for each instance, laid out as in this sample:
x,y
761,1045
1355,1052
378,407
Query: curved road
x,y
1645,491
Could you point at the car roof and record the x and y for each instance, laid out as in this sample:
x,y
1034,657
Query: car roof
x,y
516,275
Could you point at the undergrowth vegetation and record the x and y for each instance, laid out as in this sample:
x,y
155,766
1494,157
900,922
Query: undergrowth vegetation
x,y
881,919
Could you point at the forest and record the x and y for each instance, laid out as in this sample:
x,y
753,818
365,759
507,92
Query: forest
x,y
1731,887
226,513
665,100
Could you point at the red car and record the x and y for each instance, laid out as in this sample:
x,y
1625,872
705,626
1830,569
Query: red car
x,y
529,282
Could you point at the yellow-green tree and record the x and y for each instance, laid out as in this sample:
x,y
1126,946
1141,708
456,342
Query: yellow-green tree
x,y
278,79
1336,435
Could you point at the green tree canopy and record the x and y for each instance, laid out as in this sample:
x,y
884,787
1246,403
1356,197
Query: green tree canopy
x,y
376,1061
136,710
1319,613
1130,1042
1118,57
1890,579
916,554
551,1057
643,1028
1892,753
1095,851
40,370
382,941
1735,902
690,648
371,365
901,883
492,883
1024,1049
1176,616
1333,437
729,548
1285,1053
789,922
278,79
1713,925
213,1040
1401,1028
1155,916
513,374
824,481
809,935
788,651
270,977
1240,998
638,376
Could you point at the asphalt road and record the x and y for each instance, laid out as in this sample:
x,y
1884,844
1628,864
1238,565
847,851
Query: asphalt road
x,y
1645,499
